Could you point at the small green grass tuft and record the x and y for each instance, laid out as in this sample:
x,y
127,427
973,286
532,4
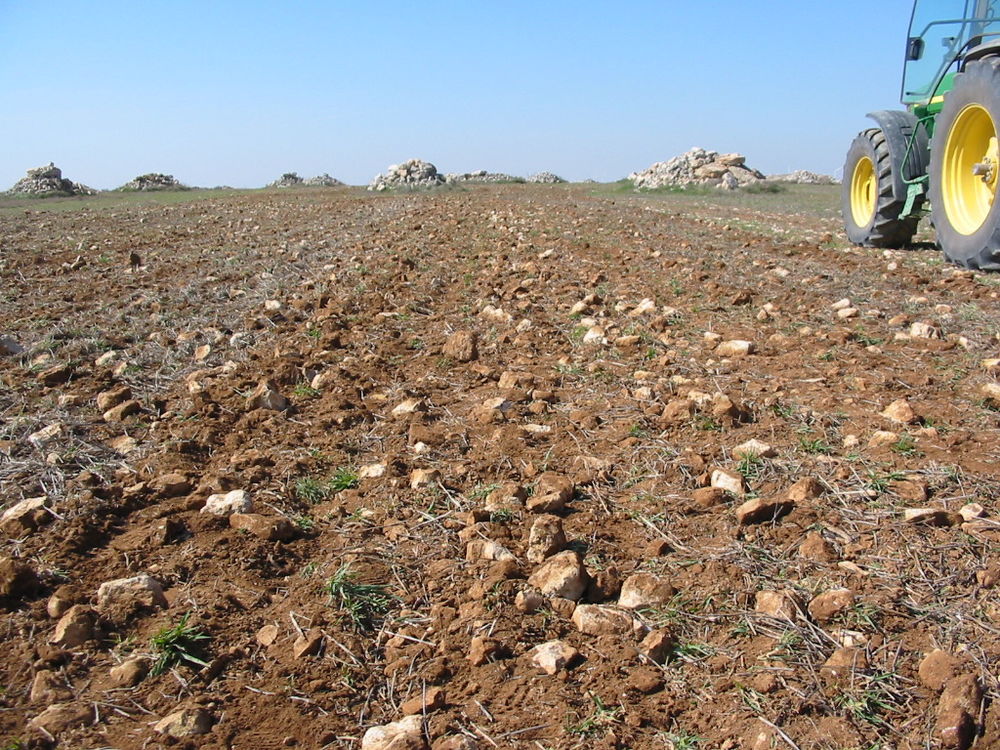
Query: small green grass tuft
x,y
343,479
363,603
177,644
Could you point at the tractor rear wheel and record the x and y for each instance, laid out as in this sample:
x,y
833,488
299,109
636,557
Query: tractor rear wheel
x,y
870,210
965,168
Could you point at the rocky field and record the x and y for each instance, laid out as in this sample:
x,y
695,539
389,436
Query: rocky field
x,y
504,466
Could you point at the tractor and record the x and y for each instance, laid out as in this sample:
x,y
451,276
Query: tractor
x,y
941,152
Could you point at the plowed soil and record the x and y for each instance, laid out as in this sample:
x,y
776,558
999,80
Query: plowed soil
x,y
345,304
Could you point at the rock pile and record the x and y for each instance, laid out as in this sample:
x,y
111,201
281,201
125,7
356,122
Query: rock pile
x,y
49,181
153,181
481,176
803,177
698,167
288,179
323,180
546,177
409,174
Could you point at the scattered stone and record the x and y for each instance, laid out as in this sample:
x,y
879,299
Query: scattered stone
x,y
843,663
807,488
561,575
268,528
266,396
763,510
75,627
112,397
234,501
455,742
709,497
267,635
552,657
405,734
937,668
552,492
754,448
546,538
424,478
779,604
61,600
130,673
462,346
600,619
25,517
123,411
657,646
482,650
59,717
931,517
48,688
880,438
958,712
487,549
188,722
171,485
142,590
414,173
901,412
730,482
643,590
432,699
734,348
829,604
46,435
308,644
529,601
408,407
55,375
991,394
920,330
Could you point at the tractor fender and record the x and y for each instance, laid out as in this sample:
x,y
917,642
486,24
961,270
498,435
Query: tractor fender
x,y
899,129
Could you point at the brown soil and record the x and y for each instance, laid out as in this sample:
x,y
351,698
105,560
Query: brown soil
x,y
369,289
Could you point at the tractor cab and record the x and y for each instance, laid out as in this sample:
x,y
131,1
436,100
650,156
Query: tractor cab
x,y
943,34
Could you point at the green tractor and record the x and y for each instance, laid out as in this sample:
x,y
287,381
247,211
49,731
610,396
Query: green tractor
x,y
943,150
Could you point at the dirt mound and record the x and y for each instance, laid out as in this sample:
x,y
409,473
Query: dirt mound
x,y
414,173
153,181
507,467
48,181
803,177
697,167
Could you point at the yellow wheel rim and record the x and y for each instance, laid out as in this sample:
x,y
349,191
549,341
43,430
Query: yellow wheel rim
x,y
969,169
864,190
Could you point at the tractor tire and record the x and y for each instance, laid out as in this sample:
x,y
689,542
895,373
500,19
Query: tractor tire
x,y
870,210
965,168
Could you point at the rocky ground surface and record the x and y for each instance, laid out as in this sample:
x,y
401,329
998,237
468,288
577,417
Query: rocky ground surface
x,y
698,167
493,468
48,181
153,181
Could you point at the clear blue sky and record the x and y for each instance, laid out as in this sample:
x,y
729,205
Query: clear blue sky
x,y
236,93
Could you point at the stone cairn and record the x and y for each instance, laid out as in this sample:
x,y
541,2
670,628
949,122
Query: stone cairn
x,y
481,176
803,177
410,174
153,181
546,178
49,181
292,179
698,167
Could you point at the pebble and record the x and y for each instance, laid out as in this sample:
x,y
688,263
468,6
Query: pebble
x,y
235,501
645,590
187,722
552,657
562,575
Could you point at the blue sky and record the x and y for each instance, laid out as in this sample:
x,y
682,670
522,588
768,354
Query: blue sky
x,y
238,92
